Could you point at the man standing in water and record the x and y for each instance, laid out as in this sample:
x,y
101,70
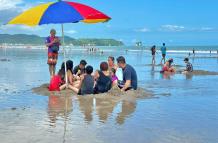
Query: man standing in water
x,y
53,43
129,75
153,52
163,51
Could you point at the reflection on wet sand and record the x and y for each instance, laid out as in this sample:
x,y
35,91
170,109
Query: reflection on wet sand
x,y
58,106
104,108
127,109
86,107
61,106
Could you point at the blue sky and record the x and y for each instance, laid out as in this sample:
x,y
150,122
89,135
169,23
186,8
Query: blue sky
x,y
176,22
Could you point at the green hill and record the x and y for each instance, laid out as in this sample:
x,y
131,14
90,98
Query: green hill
x,y
37,40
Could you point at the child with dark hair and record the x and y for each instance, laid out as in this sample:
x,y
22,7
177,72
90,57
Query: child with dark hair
x,y
114,78
168,67
58,82
86,84
189,67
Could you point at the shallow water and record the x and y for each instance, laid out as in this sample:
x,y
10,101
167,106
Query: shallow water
x,y
183,109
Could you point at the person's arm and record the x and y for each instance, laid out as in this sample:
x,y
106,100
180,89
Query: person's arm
x,y
49,43
96,75
81,82
126,85
70,77
128,79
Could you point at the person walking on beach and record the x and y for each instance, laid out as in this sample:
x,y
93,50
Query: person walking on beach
x,y
193,51
129,75
53,43
163,51
153,52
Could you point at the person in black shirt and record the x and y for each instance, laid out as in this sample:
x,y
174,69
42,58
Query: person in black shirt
x,y
103,79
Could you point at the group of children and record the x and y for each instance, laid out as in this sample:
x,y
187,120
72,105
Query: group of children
x,y
81,79
169,68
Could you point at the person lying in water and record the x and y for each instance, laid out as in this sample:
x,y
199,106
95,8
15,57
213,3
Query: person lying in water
x,y
168,67
86,85
189,67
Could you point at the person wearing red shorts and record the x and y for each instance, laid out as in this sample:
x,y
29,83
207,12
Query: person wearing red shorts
x,y
53,43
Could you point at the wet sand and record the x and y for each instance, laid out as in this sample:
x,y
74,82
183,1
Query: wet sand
x,y
114,93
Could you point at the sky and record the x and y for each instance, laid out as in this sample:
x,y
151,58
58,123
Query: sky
x,y
175,22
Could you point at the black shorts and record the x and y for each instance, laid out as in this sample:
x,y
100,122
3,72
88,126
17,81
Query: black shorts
x,y
163,55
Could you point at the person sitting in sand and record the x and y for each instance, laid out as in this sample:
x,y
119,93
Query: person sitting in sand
x,y
114,78
111,63
58,82
86,85
168,68
80,69
103,79
53,43
129,75
189,67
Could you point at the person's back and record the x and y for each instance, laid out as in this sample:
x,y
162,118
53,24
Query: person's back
x,y
87,85
163,49
129,73
153,50
103,84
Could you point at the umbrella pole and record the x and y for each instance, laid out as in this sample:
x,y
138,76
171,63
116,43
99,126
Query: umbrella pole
x,y
65,62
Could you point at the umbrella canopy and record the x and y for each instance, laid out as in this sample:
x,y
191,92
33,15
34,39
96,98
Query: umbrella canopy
x,y
59,13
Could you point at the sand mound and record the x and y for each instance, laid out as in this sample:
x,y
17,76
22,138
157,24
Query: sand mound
x,y
200,73
114,93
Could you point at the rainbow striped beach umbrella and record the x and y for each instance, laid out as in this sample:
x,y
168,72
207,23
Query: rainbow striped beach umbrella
x,y
59,13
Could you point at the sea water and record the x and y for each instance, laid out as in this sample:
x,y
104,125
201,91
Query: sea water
x,y
183,109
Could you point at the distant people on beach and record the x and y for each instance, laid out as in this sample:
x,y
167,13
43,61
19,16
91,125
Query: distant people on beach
x,y
163,51
53,43
80,69
189,67
193,51
153,52
130,80
168,67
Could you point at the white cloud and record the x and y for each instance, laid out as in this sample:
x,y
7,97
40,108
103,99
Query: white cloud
x,y
142,30
207,29
71,32
10,4
172,28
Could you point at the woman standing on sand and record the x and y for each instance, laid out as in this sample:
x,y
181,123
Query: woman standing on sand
x,y
53,43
